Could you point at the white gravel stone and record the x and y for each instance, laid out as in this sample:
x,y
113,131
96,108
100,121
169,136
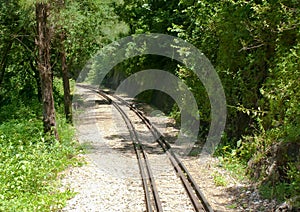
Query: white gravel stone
x,y
110,181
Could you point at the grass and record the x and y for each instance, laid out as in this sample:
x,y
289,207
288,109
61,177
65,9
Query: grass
x,y
232,206
235,166
29,165
219,180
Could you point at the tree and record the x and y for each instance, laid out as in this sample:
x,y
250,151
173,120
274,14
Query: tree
x,y
43,42
73,33
61,32
18,71
65,77
254,47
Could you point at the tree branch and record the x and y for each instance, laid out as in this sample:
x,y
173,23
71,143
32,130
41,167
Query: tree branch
x,y
245,48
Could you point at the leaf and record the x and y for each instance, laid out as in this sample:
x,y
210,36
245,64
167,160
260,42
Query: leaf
x,y
238,143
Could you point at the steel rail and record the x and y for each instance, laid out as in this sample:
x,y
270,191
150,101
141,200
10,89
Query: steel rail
x,y
172,156
189,183
186,178
137,143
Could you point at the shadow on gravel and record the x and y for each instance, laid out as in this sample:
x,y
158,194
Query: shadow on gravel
x,y
124,144
247,198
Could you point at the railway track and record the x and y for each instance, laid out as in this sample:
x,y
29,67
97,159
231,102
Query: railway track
x,y
152,198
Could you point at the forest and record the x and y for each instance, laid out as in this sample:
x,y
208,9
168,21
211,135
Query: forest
x,y
254,45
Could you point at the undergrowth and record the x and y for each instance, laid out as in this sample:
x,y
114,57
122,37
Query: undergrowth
x,y
227,156
252,158
29,165
30,161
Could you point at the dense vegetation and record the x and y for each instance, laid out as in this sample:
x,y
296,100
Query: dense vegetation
x,y
29,165
32,154
254,46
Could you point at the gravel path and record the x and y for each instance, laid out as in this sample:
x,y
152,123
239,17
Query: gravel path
x,y
110,181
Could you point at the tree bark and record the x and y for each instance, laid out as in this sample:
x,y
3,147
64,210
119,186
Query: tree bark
x,y
66,83
43,44
4,62
37,80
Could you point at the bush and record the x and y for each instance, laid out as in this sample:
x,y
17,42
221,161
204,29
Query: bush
x,y
29,165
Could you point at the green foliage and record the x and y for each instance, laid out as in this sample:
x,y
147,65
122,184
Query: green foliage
x,y
88,26
17,78
294,178
29,165
281,191
151,16
219,179
18,110
29,159
253,45
229,160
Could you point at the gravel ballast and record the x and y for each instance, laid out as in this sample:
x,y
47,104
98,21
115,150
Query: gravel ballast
x,y
110,179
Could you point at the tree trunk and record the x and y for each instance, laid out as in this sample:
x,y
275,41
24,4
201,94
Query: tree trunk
x,y
37,80
4,62
64,69
43,43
